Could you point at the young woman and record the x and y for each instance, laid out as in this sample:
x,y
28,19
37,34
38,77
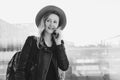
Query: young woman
x,y
42,56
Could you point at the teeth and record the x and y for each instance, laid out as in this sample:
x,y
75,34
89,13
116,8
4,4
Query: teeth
x,y
50,28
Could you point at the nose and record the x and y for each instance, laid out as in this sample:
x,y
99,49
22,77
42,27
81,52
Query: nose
x,y
51,22
52,25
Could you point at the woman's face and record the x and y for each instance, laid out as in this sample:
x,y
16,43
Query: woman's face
x,y
51,23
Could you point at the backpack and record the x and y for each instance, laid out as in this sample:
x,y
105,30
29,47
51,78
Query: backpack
x,y
11,68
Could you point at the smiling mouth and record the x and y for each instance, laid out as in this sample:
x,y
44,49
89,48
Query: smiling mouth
x,y
51,28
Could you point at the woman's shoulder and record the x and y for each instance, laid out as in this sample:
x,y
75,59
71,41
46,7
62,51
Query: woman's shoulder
x,y
32,38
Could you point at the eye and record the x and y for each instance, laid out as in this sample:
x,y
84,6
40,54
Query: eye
x,y
47,20
55,21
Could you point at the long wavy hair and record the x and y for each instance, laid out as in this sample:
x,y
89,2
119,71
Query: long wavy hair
x,y
41,33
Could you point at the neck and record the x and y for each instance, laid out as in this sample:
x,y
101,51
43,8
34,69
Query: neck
x,y
47,36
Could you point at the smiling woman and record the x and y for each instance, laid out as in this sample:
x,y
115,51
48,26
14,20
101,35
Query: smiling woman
x,y
46,52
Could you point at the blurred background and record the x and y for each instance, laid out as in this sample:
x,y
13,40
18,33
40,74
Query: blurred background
x,y
92,35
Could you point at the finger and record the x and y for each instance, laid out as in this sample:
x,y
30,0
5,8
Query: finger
x,y
59,28
58,31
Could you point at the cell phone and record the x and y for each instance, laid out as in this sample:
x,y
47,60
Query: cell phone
x,y
55,34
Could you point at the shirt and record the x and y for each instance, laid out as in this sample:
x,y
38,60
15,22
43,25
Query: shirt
x,y
51,75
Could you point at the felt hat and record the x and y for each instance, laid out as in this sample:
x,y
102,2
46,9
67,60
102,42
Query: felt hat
x,y
51,9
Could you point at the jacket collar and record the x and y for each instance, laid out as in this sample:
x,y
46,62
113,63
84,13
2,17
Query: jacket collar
x,y
44,46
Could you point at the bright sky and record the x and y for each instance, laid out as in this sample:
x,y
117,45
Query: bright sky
x,y
88,21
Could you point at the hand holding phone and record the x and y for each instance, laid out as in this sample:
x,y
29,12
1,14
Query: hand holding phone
x,y
57,32
57,35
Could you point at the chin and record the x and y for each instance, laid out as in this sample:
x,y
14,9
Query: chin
x,y
50,31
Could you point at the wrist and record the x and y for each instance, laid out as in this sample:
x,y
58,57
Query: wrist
x,y
58,42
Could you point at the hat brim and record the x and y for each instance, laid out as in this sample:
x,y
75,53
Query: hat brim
x,y
51,9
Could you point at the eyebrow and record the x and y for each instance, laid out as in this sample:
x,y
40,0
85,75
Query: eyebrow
x,y
50,19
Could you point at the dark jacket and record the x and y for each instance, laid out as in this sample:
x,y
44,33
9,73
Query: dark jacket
x,y
35,61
